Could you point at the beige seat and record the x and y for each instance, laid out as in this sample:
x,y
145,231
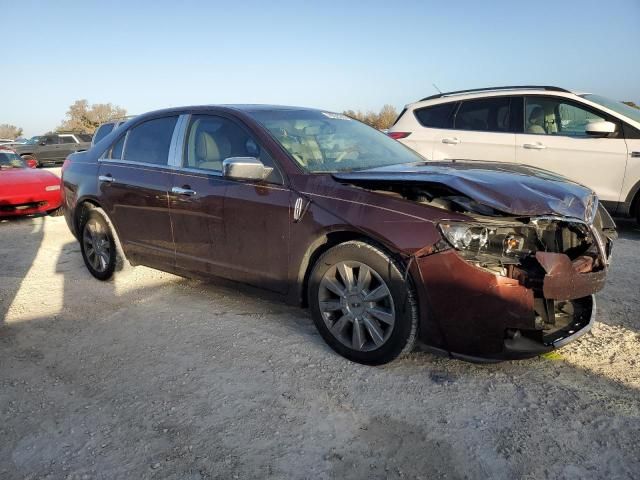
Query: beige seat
x,y
211,151
536,121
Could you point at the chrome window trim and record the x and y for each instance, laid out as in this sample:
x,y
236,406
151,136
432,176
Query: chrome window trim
x,y
177,141
133,163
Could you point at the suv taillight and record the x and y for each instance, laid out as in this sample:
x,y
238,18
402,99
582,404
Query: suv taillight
x,y
398,135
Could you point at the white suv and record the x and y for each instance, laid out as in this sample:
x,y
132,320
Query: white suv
x,y
590,139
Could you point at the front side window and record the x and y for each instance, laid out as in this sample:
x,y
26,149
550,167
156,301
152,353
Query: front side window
x,y
484,115
557,116
149,142
437,116
212,139
331,142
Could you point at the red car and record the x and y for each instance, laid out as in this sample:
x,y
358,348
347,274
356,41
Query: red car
x,y
24,190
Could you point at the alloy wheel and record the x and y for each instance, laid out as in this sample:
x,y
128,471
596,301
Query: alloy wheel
x,y
356,305
97,246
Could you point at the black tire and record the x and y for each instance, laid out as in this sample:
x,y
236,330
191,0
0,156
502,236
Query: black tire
x,y
104,267
31,157
397,340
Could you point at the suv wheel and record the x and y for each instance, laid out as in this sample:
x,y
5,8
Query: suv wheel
x,y
361,304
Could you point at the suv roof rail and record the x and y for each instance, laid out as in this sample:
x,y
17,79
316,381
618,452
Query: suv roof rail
x,y
489,89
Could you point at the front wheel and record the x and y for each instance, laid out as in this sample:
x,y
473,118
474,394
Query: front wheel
x,y
362,305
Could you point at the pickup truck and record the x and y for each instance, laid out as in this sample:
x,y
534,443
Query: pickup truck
x,y
52,149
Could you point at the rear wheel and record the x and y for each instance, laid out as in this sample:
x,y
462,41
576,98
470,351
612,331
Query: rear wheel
x,y
361,304
98,245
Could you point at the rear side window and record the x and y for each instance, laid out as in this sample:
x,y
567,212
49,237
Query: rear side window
x,y
485,115
437,116
66,139
149,142
102,132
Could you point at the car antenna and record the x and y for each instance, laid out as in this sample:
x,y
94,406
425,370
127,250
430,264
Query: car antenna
x,y
436,87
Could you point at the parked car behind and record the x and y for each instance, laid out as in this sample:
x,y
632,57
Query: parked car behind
x,y
106,128
482,260
26,191
53,148
585,137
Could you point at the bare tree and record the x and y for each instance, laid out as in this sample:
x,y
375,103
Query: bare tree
x,y
10,131
381,120
85,118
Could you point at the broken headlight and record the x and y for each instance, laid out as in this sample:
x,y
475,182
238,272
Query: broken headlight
x,y
490,244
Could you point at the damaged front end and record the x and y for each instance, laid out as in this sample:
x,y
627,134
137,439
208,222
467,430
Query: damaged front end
x,y
501,284
561,261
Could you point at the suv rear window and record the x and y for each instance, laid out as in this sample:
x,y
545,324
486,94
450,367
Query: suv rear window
x,y
103,131
149,142
437,116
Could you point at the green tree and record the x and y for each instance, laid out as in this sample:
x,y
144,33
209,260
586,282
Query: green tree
x,y
85,118
632,104
10,131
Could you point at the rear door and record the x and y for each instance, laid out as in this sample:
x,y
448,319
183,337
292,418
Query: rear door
x,y
481,129
67,144
134,176
47,150
555,139
235,229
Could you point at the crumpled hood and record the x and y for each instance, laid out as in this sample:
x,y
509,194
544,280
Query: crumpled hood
x,y
510,188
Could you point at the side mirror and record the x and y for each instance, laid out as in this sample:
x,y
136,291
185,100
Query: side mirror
x,y
600,129
245,168
43,142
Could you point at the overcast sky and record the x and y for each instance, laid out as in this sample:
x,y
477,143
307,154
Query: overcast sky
x,y
334,55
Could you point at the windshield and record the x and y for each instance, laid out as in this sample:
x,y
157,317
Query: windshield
x,y
618,107
32,140
331,142
11,160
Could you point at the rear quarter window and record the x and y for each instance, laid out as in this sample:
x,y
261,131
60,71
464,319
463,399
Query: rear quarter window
x,y
436,116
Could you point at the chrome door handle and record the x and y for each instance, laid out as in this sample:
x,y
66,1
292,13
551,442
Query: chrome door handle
x,y
450,141
635,154
534,146
183,191
106,178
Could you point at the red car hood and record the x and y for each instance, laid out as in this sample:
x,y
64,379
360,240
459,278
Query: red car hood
x,y
19,180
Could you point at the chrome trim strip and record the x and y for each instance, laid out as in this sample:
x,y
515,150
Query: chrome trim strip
x,y
177,141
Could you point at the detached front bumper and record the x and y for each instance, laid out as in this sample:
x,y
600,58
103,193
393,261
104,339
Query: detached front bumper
x,y
477,315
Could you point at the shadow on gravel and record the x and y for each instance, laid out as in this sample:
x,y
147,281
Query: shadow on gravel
x,y
12,272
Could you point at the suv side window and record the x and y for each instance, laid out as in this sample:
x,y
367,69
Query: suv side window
x,y
50,140
212,139
436,116
149,142
485,115
66,139
557,116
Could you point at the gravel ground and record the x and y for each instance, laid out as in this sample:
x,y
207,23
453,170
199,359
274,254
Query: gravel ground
x,y
155,376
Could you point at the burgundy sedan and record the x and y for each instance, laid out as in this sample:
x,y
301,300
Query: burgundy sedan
x,y
475,259
25,190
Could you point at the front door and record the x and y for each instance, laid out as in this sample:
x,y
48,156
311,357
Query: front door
x,y
235,229
555,139
134,177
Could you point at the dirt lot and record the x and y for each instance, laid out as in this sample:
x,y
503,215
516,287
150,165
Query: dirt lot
x,y
154,376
